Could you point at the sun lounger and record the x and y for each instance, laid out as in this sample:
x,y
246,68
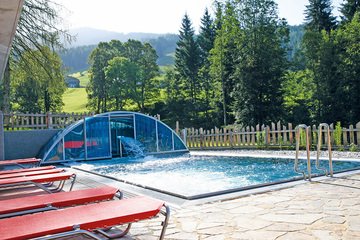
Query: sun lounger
x,y
40,203
38,181
32,173
90,217
26,170
21,162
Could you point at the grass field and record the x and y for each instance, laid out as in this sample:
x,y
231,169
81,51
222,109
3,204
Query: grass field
x,y
83,77
75,100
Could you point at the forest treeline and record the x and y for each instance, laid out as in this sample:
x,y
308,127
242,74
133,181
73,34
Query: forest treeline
x,y
242,67
76,59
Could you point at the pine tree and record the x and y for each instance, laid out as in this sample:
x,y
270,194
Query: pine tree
x,y
205,41
349,8
206,37
187,55
321,57
319,16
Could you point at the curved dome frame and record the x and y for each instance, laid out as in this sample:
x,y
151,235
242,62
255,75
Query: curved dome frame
x,y
112,134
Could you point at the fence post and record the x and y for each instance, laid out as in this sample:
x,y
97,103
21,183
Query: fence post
x,y
184,135
291,136
278,134
358,133
352,138
177,127
267,135
201,138
344,136
2,144
48,120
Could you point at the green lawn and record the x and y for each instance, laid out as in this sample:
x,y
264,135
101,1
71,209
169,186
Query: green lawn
x,y
75,100
83,77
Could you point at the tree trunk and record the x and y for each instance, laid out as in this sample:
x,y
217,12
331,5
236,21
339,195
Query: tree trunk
x,y
47,101
6,89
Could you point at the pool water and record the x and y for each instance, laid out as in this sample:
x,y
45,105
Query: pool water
x,y
193,176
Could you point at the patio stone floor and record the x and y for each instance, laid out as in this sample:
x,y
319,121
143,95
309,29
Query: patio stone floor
x,y
321,209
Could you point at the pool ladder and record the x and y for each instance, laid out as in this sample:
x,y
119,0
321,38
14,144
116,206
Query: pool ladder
x,y
307,140
297,137
326,128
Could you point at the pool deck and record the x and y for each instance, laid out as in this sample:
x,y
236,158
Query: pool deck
x,y
326,208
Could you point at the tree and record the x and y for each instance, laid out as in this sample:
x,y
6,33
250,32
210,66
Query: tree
x,y
98,87
298,93
206,37
318,16
321,57
205,41
144,56
38,26
121,75
138,70
348,43
177,107
187,59
146,87
327,77
349,8
224,57
262,63
39,85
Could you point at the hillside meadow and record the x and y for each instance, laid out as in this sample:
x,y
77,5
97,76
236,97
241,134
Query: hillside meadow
x,y
75,99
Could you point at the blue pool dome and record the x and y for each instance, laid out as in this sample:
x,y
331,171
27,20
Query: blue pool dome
x,y
112,135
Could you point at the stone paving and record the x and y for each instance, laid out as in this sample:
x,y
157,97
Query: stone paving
x,y
329,209
326,209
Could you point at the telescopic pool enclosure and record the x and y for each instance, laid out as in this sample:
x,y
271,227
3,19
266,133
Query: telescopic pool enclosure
x,y
112,135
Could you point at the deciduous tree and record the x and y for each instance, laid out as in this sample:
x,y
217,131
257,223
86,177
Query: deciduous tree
x,y
38,85
38,26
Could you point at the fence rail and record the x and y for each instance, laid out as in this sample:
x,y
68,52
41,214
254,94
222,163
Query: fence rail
x,y
30,121
275,135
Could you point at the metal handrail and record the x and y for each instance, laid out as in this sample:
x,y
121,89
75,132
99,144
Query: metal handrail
x,y
321,126
296,164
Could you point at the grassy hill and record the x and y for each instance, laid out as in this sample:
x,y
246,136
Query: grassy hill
x,y
83,77
75,99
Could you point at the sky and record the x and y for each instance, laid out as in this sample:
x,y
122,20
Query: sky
x,y
155,16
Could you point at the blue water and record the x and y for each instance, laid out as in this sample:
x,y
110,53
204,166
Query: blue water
x,y
194,175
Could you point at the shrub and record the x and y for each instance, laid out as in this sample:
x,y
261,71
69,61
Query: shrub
x,y
337,136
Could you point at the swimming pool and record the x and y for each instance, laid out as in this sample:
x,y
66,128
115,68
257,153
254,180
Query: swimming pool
x,y
194,177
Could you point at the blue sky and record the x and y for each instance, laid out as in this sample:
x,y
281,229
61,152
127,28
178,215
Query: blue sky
x,y
155,16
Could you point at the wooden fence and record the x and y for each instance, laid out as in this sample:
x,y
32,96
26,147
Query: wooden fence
x,y
29,121
275,135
